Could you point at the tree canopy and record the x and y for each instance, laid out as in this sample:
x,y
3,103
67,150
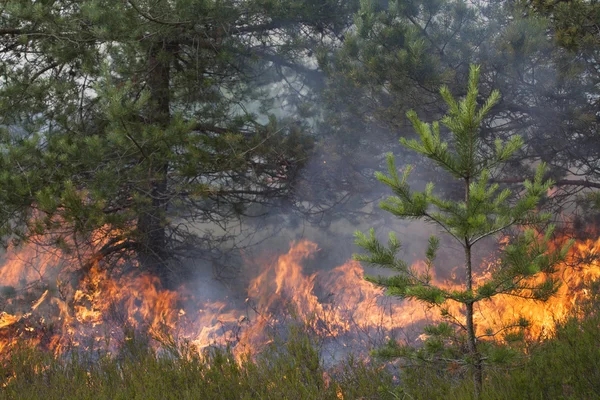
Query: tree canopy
x,y
142,117
399,54
161,122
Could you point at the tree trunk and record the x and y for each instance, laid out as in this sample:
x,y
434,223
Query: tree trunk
x,y
477,372
153,252
471,336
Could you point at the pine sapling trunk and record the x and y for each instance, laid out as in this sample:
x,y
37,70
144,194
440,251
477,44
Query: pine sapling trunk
x,y
150,224
471,338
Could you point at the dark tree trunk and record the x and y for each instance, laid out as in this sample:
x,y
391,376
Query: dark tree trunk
x,y
471,335
472,344
153,253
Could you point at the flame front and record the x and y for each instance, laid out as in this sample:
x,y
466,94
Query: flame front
x,y
581,267
102,309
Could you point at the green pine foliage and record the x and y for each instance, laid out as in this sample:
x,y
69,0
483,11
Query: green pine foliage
x,y
540,54
485,211
144,117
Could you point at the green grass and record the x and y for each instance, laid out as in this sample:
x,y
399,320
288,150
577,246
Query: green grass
x,y
566,367
286,370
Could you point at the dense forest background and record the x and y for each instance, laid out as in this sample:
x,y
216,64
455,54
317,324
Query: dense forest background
x,y
172,123
178,138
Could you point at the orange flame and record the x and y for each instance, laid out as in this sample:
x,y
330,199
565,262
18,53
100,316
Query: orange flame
x,y
336,303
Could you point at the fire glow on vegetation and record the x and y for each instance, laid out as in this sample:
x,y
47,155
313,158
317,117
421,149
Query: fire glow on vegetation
x,y
43,308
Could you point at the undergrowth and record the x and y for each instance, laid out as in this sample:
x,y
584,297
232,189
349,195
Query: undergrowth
x,y
564,367
287,369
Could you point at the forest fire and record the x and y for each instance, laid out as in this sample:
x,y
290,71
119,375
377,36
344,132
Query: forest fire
x,y
338,304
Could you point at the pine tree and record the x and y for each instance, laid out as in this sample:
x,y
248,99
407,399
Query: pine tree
x,y
541,55
485,211
148,118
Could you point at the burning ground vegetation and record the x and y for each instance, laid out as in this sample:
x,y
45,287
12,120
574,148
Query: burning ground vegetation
x,y
51,306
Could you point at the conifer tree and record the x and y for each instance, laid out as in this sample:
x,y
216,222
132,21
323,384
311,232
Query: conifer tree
x,y
148,118
540,54
485,211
